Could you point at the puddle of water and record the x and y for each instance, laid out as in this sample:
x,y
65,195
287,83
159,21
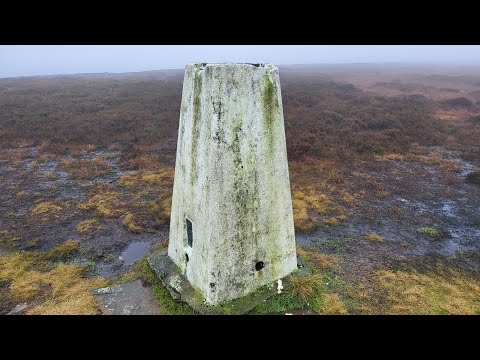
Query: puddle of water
x,y
451,246
466,168
414,205
455,233
449,208
303,240
134,252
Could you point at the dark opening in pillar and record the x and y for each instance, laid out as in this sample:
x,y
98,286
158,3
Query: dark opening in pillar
x,y
189,232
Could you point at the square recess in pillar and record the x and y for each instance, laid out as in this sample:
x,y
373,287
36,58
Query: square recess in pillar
x,y
189,231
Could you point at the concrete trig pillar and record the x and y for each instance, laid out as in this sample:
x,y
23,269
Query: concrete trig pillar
x,y
231,228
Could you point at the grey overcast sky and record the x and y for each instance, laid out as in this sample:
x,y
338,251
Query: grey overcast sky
x,y
27,60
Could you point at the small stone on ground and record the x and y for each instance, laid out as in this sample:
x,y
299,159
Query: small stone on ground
x,y
19,309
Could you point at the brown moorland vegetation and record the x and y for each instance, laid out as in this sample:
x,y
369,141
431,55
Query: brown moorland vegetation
x,y
375,153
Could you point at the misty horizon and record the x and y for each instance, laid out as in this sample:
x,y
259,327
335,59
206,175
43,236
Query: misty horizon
x,y
438,67
53,60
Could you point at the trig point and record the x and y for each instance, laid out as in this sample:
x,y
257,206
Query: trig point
x,y
231,228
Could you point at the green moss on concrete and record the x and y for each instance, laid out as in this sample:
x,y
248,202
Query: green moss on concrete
x,y
270,115
246,194
268,101
270,107
197,114
238,115
235,147
168,306
245,303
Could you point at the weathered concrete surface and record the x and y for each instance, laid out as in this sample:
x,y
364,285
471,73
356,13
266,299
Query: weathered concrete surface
x,y
181,290
130,298
231,181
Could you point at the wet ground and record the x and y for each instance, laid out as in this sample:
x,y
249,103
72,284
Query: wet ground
x,y
32,180
416,195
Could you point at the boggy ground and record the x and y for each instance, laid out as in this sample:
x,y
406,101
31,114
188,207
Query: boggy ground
x,y
422,218
413,196
384,177
109,215
55,199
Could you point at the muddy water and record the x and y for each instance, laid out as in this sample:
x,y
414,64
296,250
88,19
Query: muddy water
x,y
135,251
